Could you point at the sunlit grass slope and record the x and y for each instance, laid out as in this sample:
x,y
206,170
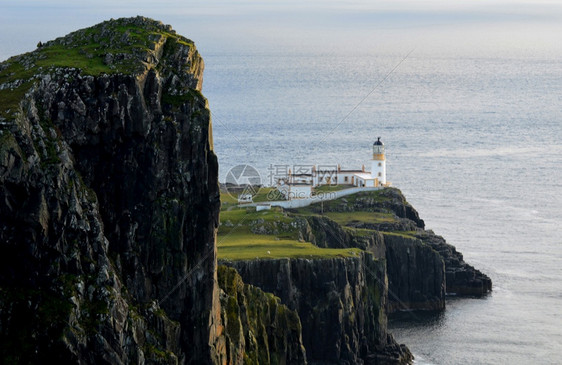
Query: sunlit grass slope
x,y
245,234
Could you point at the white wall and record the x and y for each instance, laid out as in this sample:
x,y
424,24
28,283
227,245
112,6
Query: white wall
x,y
375,169
284,189
300,191
343,175
299,203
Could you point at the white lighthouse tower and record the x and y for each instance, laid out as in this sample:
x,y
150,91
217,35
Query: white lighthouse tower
x,y
378,163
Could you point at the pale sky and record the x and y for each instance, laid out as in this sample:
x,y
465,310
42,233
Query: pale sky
x,y
218,25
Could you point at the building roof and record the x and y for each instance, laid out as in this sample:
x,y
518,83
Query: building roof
x,y
365,176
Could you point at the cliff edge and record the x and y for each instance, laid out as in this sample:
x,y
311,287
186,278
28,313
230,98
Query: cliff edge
x,y
110,201
422,267
343,265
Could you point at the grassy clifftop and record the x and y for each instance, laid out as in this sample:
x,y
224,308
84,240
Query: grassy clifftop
x,y
128,45
245,234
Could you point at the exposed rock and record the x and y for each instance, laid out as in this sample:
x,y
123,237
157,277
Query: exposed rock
x,y
416,275
326,233
416,272
341,303
462,278
415,256
259,329
108,245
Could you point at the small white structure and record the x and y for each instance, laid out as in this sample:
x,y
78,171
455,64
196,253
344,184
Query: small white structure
x,y
301,185
262,206
365,180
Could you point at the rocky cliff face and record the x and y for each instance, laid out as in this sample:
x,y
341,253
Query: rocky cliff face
x,y
341,303
422,267
416,272
462,279
416,275
259,329
110,200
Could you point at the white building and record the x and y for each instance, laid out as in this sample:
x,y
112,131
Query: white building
x,y
301,185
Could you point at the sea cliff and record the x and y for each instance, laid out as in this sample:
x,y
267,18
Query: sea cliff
x,y
110,201
341,303
421,266
343,266
259,328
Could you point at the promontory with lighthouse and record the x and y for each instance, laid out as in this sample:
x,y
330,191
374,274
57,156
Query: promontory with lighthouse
x,y
332,242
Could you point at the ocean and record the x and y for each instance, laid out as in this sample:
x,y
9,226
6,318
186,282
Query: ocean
x,y
466,97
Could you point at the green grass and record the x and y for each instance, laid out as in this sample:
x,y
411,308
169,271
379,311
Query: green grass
x,y
10,100
377,196
347,218
227,201
227,198
329,188
361,232
404,234
238,215
247,246
235,240
77,57
235,218
266,194
86,50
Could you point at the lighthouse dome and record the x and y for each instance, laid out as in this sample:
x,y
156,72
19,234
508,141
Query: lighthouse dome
x,y
378,142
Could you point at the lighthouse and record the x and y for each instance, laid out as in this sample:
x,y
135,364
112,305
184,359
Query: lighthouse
x,y
378,163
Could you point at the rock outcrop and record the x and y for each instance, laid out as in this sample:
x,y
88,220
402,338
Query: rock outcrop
x,y
109,201
416,275
422,267
259,329
462,279
407,267
416,272
340,301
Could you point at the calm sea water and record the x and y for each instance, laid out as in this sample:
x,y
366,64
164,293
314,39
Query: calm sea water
x,y
472,121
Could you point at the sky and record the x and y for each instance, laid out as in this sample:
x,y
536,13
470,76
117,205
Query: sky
x,y
220,25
